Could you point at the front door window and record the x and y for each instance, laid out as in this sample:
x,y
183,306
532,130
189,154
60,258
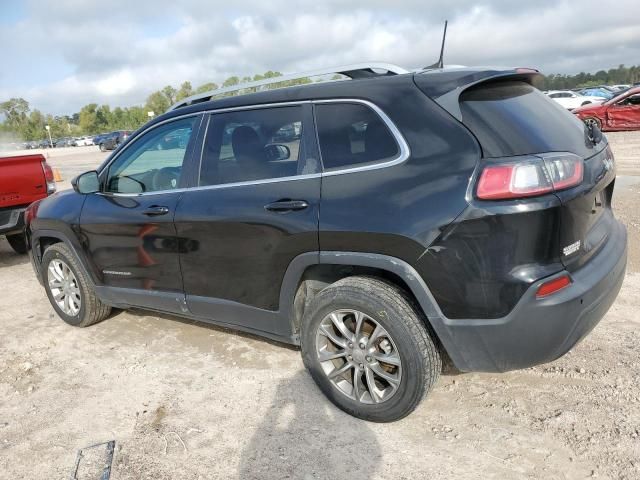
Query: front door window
x,y
154,161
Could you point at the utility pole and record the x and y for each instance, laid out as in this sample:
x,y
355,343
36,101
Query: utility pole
x,y
48,128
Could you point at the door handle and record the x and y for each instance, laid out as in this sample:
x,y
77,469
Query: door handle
x,y
156,211
286,206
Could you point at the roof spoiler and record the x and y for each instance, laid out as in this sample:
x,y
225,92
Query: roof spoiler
x,y
446,86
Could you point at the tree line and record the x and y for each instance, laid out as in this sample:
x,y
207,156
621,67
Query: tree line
x,y
20,122
23,123
614,76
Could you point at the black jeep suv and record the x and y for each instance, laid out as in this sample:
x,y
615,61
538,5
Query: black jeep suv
x,y
383,224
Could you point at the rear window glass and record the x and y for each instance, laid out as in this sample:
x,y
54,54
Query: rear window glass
x,y
352,135
515,118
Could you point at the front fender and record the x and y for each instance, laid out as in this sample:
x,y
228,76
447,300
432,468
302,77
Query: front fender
x,y
72,242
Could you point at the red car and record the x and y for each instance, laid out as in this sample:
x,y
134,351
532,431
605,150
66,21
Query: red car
x,y
619,113
23,180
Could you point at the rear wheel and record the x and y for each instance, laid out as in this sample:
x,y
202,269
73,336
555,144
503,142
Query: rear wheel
x,y
102,148
69,290
18,243
593,121
368,348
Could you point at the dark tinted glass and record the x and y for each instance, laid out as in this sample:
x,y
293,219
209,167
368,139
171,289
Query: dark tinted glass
x,y
351,134
514,118
252,145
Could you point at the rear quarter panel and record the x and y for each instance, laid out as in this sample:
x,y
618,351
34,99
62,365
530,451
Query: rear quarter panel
x,y
400,210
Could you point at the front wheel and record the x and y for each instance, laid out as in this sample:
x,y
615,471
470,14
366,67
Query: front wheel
x,y
368,348
69,289
589,121
102,148
18,243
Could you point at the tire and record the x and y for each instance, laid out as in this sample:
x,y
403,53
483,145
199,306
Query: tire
x,y
407,338
18,243
91,310
593,120
102,148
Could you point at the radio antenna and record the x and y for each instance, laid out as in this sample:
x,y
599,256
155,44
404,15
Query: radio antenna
x,y
440,62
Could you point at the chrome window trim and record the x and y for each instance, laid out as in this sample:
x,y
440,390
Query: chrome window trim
x,y
403,154
403,148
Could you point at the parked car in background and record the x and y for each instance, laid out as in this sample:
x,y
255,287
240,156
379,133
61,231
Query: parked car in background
x,y
571,100
448,213
597,92
621,87
112,140
44,144
83,141
65,142
620,113
23,180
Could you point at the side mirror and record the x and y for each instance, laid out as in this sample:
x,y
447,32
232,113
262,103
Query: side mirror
x,y
275,152
86,182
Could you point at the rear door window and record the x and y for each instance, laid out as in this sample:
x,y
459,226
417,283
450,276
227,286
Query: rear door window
x,y
352,134
515,118
254,145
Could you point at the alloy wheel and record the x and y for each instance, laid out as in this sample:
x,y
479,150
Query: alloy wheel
x,y
358,356
64,287
590,121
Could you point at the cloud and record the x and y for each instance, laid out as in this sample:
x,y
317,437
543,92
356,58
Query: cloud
x,y
120,52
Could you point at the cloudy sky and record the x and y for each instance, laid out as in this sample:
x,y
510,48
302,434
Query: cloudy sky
x,y
62,54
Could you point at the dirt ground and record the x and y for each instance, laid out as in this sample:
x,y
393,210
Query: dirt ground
x,y
184,400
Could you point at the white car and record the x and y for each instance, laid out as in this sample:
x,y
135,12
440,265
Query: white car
x,y
571,100
619,88
84,141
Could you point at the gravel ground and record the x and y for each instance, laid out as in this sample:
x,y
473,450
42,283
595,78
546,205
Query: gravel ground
x,y
191,401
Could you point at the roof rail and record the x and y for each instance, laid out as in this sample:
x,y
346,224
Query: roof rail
x,y
353,71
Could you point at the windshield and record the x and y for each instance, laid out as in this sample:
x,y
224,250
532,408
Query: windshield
x,y
598,92
618,96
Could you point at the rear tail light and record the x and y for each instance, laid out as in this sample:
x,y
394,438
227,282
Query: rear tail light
x,y
531,176
553,286
48,175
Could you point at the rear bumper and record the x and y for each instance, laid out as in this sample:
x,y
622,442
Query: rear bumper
x,y
541,330
11,221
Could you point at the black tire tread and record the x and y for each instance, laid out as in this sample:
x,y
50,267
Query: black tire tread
x,y
411,315
95,311
415,320
18,243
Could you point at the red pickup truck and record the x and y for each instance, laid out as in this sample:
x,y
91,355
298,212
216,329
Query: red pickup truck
x,y
23,180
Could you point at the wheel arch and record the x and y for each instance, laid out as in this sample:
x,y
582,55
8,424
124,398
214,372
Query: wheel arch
x,y
310,273
43,239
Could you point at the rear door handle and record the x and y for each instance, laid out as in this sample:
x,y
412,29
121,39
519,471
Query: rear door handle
x,y
286,205
156,211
